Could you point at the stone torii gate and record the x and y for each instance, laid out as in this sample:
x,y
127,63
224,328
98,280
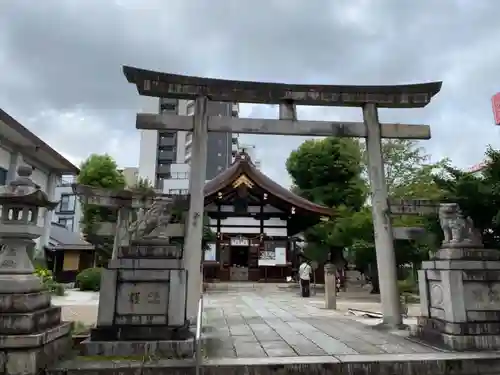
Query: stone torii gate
x,y
369,98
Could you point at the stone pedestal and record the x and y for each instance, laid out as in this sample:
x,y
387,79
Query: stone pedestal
x,y
330,288
142,304
460,299
31,333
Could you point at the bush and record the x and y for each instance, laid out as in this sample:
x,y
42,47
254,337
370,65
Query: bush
x,y
89,279
49,283
80,328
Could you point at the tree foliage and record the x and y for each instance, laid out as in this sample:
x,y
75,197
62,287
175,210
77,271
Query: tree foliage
x,y
477,196
409,175
143,185
99,171
328,172
408,170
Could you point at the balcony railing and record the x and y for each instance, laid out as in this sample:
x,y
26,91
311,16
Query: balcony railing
x,y
179,175
66,181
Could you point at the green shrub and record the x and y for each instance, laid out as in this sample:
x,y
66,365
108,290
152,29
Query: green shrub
x,y
89,279
80,328
49,283
56,288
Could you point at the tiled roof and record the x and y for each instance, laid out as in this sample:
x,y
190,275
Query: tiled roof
x,y
243,166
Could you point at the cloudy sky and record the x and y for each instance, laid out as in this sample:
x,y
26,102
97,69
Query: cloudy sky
x,y
61,63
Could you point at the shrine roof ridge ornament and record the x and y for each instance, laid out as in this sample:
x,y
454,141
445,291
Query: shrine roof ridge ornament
x,y
166,85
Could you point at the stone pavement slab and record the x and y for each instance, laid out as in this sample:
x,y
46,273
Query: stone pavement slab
x,y
272,323
281,324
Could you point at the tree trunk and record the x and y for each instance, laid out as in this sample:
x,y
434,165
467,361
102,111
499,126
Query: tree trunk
x,y
375,284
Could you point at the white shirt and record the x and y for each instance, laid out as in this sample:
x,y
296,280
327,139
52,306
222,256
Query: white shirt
x,y
305,271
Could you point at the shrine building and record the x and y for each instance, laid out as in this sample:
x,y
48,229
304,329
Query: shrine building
x,y
254,220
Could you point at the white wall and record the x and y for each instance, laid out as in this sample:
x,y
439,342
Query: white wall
x,y
148,143
9,160
183,142
179,182
147,155
4,158
38,176
181,146
249,225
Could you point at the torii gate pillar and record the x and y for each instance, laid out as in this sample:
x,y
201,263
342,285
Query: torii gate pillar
x,y
193,251
384,242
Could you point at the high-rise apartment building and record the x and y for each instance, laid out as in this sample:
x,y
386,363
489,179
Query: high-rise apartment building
x,y
220,145
165,155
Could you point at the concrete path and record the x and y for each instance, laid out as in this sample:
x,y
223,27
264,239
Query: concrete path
x,y
78,306
75,297
251,324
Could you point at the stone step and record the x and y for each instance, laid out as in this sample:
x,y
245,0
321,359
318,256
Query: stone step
x,y
29,322
378,364
24,302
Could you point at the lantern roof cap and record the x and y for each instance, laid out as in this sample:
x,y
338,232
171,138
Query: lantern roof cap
x,y
24,191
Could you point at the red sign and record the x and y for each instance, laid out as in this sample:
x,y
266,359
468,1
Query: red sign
x,y
495,102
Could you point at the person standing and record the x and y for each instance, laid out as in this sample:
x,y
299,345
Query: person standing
x,y
305,271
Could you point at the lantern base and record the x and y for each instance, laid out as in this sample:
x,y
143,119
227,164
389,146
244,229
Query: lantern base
x,y
19,283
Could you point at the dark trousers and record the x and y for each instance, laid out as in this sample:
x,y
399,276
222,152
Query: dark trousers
x,y
305,290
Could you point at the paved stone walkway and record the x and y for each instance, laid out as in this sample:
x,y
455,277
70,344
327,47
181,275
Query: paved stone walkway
x,y
281,324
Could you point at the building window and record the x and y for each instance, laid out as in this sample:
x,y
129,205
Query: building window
x,y
168,134
67,222
178,191
3,176
180,175
66,203
168,107
190,108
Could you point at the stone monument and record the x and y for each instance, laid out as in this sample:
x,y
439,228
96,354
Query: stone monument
x,y
31,333
460,288
142,303
330,287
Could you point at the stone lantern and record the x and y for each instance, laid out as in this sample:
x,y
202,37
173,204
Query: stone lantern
x,y
31,333
20,202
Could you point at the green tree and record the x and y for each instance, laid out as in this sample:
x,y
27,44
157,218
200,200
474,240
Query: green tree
x,y
143,185
99,171
409,174
328,172
408,169
477,196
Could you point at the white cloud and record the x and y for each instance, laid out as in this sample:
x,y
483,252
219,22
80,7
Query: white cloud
x,y
61,64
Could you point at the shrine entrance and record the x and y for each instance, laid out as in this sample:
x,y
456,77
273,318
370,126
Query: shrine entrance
x,y
239,253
